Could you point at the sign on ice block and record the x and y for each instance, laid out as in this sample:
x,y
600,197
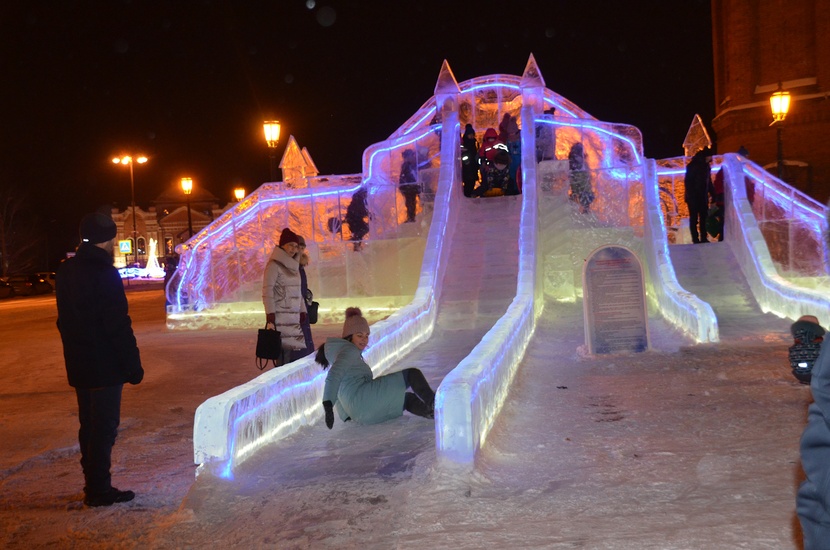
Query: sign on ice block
x,y
615,301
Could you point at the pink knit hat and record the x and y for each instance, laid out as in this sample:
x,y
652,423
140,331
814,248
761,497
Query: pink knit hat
x,y
355,322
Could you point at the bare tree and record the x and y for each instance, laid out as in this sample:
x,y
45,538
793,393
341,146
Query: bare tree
x,y
21,234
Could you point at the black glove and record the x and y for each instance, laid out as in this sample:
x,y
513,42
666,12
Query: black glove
x,y
329,414
136,376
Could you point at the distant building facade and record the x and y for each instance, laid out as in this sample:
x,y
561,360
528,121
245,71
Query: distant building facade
x,y
166,222
759,44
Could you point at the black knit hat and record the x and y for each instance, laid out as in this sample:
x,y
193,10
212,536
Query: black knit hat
x,y
288,236
97,228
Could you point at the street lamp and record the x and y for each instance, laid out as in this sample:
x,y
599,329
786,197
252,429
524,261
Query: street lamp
x,y
128,160
239,194
272,138
187,187
779,103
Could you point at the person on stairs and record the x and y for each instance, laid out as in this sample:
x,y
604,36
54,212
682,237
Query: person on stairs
x,y
352,389
698,185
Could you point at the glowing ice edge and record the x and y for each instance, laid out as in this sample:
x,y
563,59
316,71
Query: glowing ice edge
x,y
774,293
230,427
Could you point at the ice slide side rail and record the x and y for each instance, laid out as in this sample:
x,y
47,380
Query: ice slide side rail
x,y
680,307
774,293
229,427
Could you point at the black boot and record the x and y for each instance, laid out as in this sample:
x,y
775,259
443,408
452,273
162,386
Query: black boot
x,y
414,378
413,404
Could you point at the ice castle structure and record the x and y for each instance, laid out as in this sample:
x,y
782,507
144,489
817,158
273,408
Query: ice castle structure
x,y
396,271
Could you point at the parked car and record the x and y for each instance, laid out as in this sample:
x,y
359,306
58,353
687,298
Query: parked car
x,y
6,290
48,276
27,285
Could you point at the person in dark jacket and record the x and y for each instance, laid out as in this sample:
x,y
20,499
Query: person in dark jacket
x,y
99,350
351,387
582,191
408,183
698,184
357,218
469,160
305,323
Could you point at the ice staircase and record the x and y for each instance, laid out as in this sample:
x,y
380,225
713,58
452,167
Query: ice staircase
x,y
480,280
711,271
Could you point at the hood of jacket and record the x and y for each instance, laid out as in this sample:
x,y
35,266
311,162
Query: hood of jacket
x,y
806,330
336,346
281,256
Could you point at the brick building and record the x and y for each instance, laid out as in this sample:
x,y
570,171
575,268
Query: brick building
x,y
759,45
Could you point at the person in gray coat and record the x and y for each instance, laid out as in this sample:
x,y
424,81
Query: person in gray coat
x,y
813,498
282,295
350,385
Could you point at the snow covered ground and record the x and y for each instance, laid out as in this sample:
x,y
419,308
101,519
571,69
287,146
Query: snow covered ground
x,y
684,446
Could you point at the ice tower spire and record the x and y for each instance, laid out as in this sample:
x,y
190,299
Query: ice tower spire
x,y
697,137
533,86
446,91
447,84
294,165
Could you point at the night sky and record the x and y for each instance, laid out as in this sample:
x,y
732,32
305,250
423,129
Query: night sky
x,y
188,83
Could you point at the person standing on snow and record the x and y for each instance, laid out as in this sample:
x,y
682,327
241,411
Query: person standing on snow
x,y
99,349
350,385
281,294
305,324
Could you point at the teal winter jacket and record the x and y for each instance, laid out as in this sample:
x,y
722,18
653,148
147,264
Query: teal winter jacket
x,y
354,392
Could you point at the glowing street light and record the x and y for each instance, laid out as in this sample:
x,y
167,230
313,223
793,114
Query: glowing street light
x,y
128,160
239,194
272,138
779,103
187,187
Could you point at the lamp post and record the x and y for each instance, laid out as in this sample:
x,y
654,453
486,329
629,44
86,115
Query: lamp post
x,y
128,160
187,187
239,194
272,138
779,103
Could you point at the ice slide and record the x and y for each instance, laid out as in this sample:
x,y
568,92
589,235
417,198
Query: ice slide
x,y
214,288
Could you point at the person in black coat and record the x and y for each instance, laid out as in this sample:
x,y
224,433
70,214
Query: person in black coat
x,y
99,350
357,218
307,295
698,188
469,160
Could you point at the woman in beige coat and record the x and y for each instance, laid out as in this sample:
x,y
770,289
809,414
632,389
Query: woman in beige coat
x,y
281,293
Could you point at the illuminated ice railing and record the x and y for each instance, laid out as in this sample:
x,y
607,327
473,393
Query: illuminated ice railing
x,y
471,396
218,282
231,426
773,292
680,307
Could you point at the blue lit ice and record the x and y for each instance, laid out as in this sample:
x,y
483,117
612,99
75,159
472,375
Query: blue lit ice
x,y
406,277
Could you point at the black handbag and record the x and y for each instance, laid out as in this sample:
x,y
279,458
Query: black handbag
x,y
311,306
268,347
312,312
